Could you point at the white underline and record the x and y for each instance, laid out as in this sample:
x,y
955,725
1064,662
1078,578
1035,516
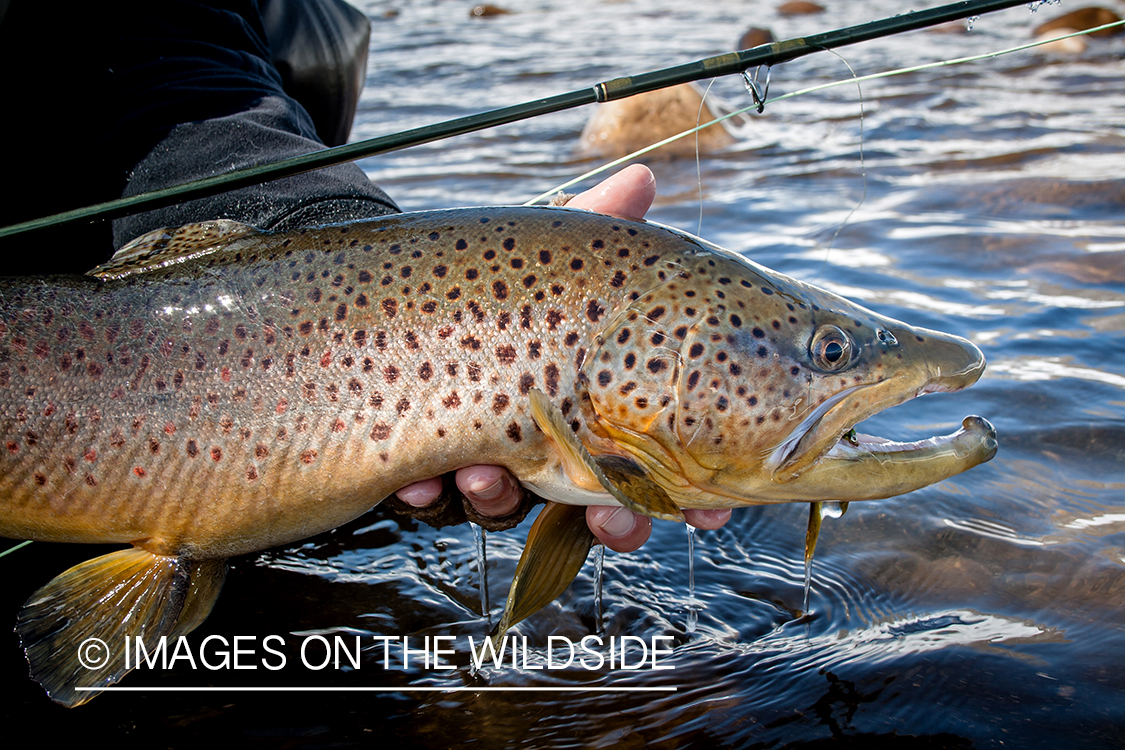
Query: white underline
x,y
131,689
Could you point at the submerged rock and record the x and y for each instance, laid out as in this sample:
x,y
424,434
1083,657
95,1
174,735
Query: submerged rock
x,y
754,37
1080,20
487,11
799,8
621,127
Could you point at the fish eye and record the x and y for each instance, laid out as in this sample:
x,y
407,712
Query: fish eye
x,y
831,349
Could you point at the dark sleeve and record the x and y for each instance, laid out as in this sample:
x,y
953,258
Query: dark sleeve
x,y
123,97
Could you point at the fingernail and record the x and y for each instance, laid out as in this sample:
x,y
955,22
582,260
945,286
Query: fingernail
x,y
485,491
418,498
618,523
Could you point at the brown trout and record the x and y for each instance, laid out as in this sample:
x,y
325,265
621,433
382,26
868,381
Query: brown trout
x,y
214,390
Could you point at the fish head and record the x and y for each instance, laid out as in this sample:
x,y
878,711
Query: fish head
x,y
730,384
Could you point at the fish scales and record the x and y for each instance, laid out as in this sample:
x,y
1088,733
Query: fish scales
x,y
259,395
214,390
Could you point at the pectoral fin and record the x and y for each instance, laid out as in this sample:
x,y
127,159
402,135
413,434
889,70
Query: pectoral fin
x,y
555,551
74,629
621,477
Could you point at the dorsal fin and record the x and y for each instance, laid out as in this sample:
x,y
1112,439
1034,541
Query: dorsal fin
x,y
165,247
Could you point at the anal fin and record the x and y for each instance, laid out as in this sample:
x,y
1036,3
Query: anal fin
x,y
74,629
556,549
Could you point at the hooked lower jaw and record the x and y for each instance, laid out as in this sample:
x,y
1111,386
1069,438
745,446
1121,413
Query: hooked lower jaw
x,y
976,438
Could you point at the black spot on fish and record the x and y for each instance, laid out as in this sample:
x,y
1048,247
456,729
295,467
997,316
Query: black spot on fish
x,y
594,311
551,375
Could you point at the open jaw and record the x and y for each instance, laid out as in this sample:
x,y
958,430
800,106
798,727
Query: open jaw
x,y
826,458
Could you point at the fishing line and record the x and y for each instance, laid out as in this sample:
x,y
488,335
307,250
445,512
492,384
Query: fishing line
x,y
617,88
698,168
10,550
862,165
809,90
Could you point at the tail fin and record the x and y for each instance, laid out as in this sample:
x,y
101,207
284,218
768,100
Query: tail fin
x,y
74,629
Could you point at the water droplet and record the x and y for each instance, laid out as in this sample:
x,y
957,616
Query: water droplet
x,y
970,21
833,510
693,604
599,572
481,544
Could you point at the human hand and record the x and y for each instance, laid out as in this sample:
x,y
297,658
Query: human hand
x,y
492,490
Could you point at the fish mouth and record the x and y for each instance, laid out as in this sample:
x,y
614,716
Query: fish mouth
x,y
826,449
976,435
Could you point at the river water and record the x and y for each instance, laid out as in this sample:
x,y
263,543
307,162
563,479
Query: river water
x,y
987,611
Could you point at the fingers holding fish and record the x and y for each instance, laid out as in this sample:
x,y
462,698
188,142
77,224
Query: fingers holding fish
x,y
628,194
492,490
618,528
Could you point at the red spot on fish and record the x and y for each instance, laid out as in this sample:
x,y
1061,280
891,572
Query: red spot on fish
x,y
216,454
308,456
140,472
226,374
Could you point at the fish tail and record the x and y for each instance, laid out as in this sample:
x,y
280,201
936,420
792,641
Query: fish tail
x,y
78,629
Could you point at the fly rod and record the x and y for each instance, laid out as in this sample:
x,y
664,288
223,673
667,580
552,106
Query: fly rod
x,y
617,88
